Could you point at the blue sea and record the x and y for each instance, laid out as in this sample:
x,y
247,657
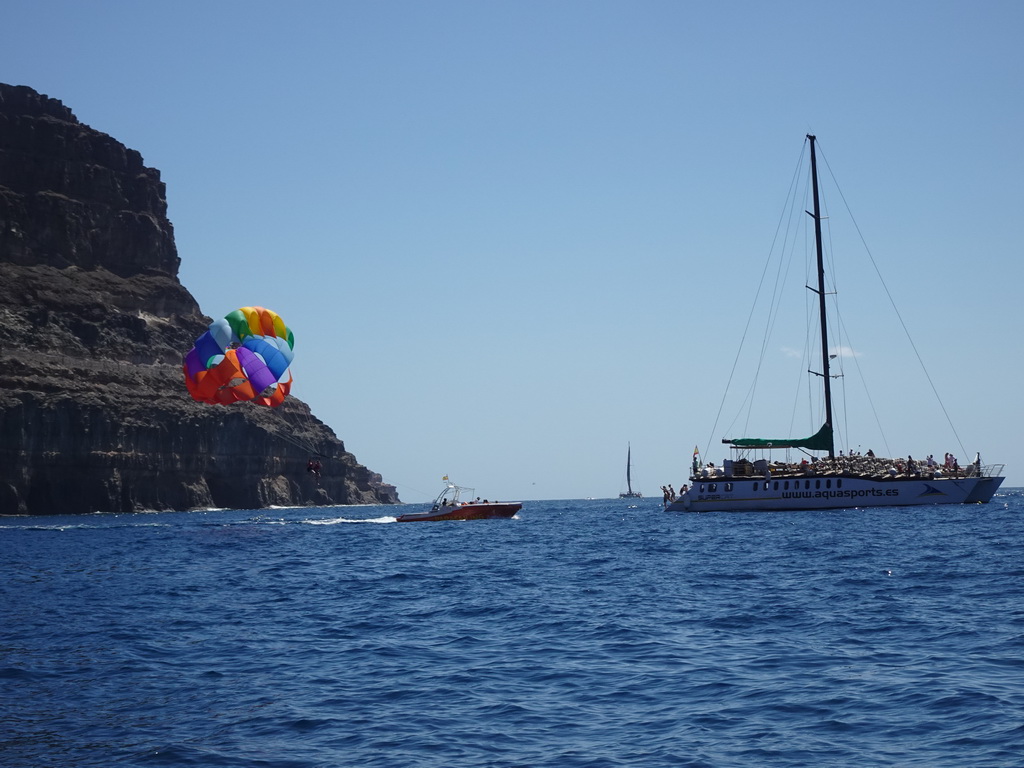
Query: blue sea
x,y
591,633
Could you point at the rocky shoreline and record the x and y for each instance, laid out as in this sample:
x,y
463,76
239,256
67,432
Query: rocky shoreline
x,y
93,324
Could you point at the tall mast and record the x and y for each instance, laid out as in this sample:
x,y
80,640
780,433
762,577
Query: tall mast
x,y
629,485
821,301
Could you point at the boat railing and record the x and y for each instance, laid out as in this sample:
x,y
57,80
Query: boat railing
x,y
988,470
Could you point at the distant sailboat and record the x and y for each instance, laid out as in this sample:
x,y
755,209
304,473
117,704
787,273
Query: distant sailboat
x,y
630,493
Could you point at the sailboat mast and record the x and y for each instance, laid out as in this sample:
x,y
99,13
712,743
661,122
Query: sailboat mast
x,y
821,301
629,485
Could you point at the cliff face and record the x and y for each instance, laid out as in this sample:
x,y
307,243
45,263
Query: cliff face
x,y
93,325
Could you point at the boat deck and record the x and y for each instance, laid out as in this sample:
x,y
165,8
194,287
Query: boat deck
x,y
862,467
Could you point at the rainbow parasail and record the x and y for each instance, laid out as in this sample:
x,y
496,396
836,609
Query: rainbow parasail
x,y
244,357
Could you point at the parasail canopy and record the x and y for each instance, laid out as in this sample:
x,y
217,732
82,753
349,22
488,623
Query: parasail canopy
x,y
243,357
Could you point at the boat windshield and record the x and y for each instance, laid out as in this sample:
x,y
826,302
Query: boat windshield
x,y
450,495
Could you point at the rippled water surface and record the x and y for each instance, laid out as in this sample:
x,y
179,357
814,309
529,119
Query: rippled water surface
x,y
581,633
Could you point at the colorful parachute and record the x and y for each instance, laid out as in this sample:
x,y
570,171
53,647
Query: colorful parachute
x,y
245,356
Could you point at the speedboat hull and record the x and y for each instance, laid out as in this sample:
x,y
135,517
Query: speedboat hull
x,y
468,511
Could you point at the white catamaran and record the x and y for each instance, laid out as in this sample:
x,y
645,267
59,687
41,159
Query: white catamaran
x,y
828,481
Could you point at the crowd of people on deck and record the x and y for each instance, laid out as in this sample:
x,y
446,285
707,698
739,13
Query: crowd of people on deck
x,y
852,464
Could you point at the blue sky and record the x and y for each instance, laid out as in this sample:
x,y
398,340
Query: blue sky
x,y
512,237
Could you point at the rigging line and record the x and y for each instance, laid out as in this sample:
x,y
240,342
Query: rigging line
x,y
811,316
788,246
867,392
906,330
804,368
832,276
785,252
429,495
842,329
750,316
306,445
843,333
797,392
810,324
810,327
279,428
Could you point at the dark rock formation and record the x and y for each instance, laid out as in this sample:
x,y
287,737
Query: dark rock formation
x,y
93,324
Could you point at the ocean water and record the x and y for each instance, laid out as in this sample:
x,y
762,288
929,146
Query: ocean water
x,y
599,633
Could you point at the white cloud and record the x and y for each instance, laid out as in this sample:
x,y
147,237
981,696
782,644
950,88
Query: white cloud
x,y
843,352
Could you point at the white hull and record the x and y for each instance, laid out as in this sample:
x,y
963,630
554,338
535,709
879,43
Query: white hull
x,y
748,494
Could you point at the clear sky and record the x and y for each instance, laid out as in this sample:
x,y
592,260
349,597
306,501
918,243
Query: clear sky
x,y
512,237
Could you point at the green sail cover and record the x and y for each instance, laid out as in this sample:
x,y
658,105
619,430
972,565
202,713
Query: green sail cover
x,y
819,441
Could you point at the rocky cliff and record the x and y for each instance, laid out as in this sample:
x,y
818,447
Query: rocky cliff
x,y
93,324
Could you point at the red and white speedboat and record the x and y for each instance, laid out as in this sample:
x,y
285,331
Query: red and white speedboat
x,y
449,506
